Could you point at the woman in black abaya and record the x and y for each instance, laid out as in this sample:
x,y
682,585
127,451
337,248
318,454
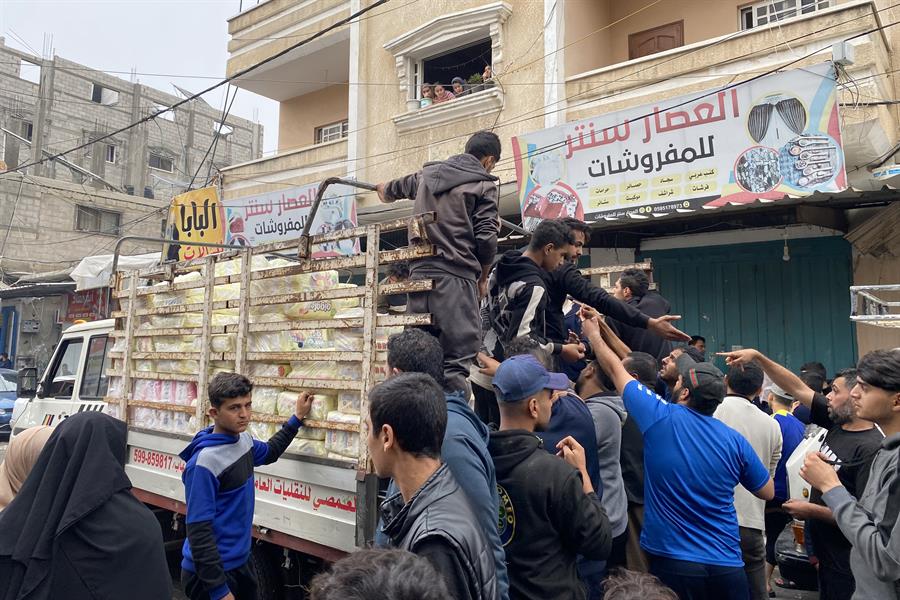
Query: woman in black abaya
x,y
75,531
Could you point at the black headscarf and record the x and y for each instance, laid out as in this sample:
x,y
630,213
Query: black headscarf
x,y
78,482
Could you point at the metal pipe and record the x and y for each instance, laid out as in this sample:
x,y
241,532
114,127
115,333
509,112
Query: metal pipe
x,y
514,227
161,241
330,181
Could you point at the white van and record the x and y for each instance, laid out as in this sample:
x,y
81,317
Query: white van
x,y
74,381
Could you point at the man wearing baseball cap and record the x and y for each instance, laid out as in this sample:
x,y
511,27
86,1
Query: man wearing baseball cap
x,y
549,513
692,464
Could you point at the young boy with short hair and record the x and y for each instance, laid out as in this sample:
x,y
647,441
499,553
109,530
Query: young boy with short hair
x,y
219,491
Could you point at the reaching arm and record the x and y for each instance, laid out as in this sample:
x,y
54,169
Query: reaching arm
x,y
609,336
580,287
399,189
783,378
766,492
265,453
605,356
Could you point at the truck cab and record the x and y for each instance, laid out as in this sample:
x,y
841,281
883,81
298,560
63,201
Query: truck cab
x,y
75,379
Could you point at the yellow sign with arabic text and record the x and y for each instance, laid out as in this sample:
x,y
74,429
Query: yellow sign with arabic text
x,y
194,216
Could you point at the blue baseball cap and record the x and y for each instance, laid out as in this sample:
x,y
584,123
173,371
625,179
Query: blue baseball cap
x,y
521,377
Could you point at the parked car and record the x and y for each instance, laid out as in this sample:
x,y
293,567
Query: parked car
x,y
8,380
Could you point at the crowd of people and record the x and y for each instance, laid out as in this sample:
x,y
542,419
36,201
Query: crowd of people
x,y
541,439
438,93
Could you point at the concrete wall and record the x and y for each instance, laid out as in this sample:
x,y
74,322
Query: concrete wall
x,y
43,236
587,39
36,349
299,117
384,153
64,117
703,20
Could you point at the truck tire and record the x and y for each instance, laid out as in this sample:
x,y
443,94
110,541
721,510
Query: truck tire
x,y
268,576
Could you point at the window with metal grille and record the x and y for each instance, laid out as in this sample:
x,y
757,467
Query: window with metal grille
x,y
332,132
97,220
161,163
772,11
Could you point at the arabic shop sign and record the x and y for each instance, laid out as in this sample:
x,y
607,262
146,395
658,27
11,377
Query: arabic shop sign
x,y
194,216
282,215
775,136
88,305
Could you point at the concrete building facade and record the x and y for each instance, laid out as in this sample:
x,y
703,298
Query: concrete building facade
x,y
557,61
51,105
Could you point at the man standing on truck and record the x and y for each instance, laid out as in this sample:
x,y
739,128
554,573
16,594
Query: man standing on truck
x,y
463,194
219,491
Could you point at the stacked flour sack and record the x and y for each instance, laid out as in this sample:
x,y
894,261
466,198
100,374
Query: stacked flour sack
x,y
274,396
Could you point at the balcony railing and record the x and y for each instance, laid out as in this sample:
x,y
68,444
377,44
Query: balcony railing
x,y
296,167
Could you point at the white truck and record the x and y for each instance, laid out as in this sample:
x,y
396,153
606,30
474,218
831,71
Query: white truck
x,y
291,323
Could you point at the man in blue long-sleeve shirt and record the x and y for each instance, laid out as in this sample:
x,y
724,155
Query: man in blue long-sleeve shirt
x,y
218,486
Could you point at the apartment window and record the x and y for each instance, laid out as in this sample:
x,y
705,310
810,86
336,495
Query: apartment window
x,y
97,220
102,95
110,150
161,163
467,63
332,132
455,44
771,11
30,71
658,39
28,130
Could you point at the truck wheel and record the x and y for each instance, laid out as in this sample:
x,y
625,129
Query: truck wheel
x,y
267,574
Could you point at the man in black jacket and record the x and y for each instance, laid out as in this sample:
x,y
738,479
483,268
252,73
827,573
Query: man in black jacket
x,y
633,288
519,293
430,515
463,194
568,281
549,513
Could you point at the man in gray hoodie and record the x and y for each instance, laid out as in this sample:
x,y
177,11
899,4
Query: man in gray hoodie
x,y
870,524
463,194
608,413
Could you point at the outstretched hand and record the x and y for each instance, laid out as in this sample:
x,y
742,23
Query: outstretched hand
x,y
662,326
739,357
304,404
488,365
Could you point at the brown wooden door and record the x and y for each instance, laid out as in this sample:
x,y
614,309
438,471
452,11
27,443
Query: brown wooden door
x,y
658,39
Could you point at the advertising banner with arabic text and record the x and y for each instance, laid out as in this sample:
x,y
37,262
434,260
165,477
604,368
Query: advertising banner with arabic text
x,y
194,216
772,137
282,215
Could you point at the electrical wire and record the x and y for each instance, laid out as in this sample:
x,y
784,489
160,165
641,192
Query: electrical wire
x,y
542,111
215,86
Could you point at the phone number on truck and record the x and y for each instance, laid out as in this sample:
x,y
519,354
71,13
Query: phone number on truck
x,y
157,460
